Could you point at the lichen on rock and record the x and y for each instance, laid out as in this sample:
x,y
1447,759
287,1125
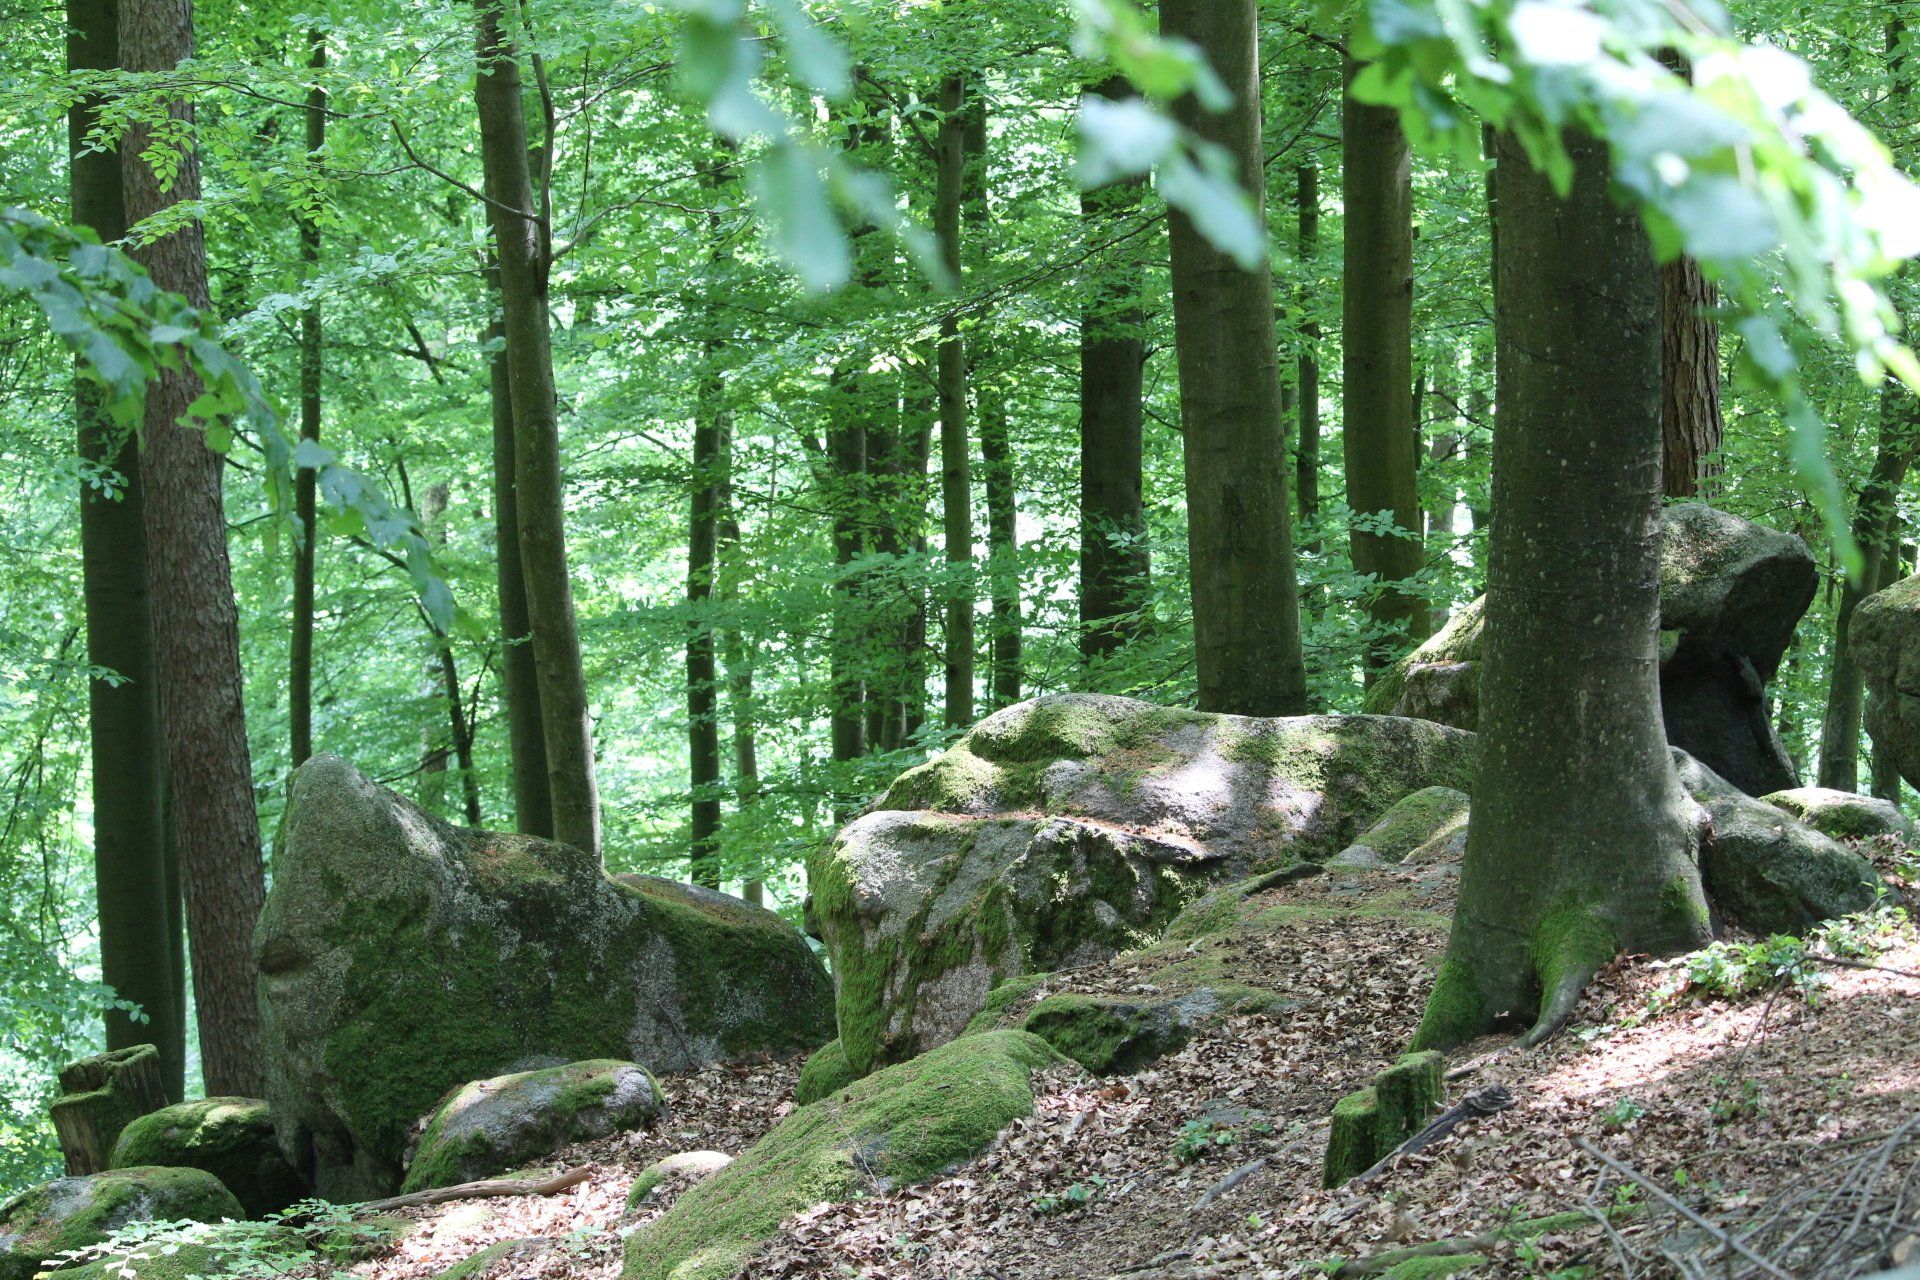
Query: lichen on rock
x,y
400,957
902,1125
230,1138
487,1127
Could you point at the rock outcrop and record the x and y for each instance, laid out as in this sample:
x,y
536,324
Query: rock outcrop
x,y
1844,815
1884,635
1065,829
72,1213
899,1126
1731,593
1770,873
230,1138
400,957
491,1126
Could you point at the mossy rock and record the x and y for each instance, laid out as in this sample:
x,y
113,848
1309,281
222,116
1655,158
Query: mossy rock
x,y
243,1249
71,1213
673,1174
1064,830
1114,1035
827,1071
496,1259
1369,1124
487,1127
902,1125
1844,815
1771,874
401,957
361,1240
231,1138
1423,820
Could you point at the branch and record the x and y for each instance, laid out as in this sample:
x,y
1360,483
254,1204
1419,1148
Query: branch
x,y
481,1190
401,137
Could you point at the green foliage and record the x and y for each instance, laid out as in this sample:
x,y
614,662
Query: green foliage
x,y
1198,1139
1077,1196
1736,970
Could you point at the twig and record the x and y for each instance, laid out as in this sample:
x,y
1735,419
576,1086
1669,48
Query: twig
x,y
482,1190
1838,963
1653,1189
1231,1181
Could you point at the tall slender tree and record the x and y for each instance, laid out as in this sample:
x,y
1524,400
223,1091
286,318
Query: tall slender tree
x,y
196,621
138,891
1580,843
1115,556
711,432
522,237
312,369
1690,379
998,471
956,475
1378,430
1246,608
1306,449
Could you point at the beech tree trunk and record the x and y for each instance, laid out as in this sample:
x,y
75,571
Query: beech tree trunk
x,y
312,366
703,689
1381,439
996,432
1306,452
737,661
1115,557
519,680
196,622
1246,608
139,900
521,238
956,480
1581,834
1689,379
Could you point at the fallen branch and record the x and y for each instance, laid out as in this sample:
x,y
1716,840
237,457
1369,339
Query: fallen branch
x,y
482,1190
1838,963
1491,1100
1231,1181
1652,1188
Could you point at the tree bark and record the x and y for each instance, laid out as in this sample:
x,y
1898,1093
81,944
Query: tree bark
x,y
1115,557
996,432
1581,836
737,662
196,622
1381,440
1690,379
1306,452
521,238
139,902
703,688
1246,608
956,481
312,367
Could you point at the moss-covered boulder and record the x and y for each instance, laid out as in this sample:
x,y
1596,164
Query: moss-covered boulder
x,y
825,1072
1063,830
400,957
1884,635
1114,1035
671,1175
498,1261
1731,593
490,1126
1844,815
1428,817
1369,1124
1771,874
231,1138
71,1213
249,1249
902,1125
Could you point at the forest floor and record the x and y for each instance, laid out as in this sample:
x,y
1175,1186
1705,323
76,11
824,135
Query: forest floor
x,y
1208,1163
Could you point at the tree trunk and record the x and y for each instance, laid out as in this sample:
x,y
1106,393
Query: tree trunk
x,y
1306,452
1115,557
1689,379
139,902
520,237
312,365
703,688
1380,437
519,681
196,622
1581,837
737,661
1246,608
996,433
956,481
100,1097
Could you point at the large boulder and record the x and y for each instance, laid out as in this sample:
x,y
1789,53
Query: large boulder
x,y
1769,873
1731,593
1062,830
490,1126
902,1125
1884,635
400,956
71,1213
1844,815
231,1138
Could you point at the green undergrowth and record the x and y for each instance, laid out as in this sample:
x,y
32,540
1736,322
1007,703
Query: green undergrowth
x,y
900,1125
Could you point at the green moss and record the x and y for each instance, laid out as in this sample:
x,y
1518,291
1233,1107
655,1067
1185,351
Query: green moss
x,y
107,1110
1428,814
1455,1013
1369,1124
1571,943
244,1249
827,1071
1107,1036
993,1015
1430,1267
72,1213
1683,907
901,1125
231,1138
494,1256
361,1240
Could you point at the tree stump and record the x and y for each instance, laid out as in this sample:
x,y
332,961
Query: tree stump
x,y
104,1095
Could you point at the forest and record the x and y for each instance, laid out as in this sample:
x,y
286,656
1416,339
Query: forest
x,y
923,638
